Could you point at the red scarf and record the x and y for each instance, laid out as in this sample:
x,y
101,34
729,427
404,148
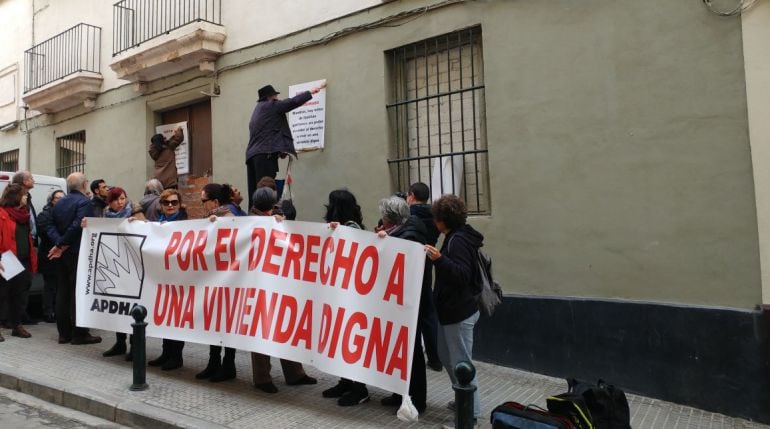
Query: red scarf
x,y
19,214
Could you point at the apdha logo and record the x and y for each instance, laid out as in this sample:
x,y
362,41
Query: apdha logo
x,y
119,267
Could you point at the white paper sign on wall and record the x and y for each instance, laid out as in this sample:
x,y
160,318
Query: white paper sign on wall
x,y
308,122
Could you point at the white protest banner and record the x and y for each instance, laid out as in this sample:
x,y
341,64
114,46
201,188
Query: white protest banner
x,y
182,152
308,122
343,300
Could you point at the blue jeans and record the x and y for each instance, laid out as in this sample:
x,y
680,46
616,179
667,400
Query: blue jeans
x,y
455,344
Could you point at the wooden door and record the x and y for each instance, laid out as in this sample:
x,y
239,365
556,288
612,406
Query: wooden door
x,y
198,117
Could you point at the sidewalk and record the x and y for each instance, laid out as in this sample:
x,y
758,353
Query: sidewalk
x,y
79,377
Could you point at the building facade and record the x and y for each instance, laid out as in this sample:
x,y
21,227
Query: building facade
x,y
614,153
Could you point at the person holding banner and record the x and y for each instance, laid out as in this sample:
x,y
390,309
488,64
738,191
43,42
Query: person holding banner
x,y
293,372
16,237
343,209
398,222
119,207
171,355
216,199
455,293
65,232
269,134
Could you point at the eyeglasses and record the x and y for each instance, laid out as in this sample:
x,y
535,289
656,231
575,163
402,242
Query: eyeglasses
x,y
169,202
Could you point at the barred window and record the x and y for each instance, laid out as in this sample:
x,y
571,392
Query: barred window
x,y
71,155
437,117
9,161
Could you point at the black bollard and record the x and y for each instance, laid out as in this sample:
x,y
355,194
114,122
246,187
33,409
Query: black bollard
x,y
464,371
138,348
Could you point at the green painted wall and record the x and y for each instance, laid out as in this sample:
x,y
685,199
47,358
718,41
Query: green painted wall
x,y
617,132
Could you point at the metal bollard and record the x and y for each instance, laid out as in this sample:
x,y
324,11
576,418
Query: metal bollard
x,y
139,313
464,371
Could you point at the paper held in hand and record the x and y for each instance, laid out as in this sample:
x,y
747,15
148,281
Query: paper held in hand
x,y
11,265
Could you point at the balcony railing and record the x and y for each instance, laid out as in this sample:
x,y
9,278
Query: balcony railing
x,y
75,50
137,21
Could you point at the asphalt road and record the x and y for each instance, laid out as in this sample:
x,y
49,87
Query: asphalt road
x,y
20,411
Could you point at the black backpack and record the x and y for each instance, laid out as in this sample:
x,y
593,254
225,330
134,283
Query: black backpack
x,y
491,294
607,403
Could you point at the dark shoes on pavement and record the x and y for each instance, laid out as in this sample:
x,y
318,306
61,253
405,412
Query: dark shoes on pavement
x,y
20,332
225,372
158,361
88,339
118,348
64,340
305,379
395,399
436,366
342,387
212,368
359,394
171,364
267,387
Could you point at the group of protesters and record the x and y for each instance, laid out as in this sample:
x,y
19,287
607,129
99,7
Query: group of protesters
x,y
448,308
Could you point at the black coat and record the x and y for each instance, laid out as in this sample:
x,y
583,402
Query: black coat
x,y
67,215
43,221
422,211
269,130
455,294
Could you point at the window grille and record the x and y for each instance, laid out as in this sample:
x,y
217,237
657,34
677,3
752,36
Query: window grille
x,y
437,117
71,154
9,161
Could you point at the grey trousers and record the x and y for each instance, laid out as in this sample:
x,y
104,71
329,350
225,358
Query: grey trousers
x,y
455,344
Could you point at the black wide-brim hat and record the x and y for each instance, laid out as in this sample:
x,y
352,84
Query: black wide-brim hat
x,y
266,91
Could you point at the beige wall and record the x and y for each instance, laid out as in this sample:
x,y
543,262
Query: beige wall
x,y
756,52
620,164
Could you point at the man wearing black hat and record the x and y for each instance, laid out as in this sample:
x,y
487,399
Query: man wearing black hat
x,y
269,134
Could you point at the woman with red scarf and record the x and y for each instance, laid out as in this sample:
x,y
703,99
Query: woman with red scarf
x,y
15,235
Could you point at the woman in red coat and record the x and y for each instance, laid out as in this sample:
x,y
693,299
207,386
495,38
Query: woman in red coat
x,y
15,235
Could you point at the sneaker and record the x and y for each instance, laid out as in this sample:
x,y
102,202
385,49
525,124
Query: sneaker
x,y
353,397
342,387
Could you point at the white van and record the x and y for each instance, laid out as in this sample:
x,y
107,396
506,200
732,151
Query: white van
x,y
44,185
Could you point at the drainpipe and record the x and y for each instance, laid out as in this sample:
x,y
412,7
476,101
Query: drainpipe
x,y
28,164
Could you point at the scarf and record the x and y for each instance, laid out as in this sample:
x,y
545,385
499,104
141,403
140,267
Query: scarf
x,y
164,218
19,215
125,212
220,211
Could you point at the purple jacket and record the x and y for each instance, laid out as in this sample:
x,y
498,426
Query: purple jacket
x,y
269,129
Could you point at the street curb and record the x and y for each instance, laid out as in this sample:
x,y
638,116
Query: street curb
x,y
127,412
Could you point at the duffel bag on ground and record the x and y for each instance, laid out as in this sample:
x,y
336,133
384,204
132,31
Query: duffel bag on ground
x,y
512,415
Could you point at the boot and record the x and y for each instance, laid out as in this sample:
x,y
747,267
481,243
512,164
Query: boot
x,y
160,360
211,369
342,387
117,349
172,363
226,371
